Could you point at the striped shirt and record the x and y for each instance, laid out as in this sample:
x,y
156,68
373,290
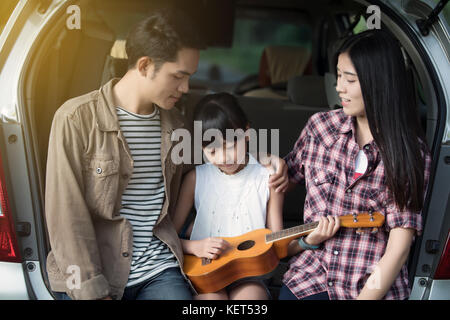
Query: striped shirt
x,y
143,199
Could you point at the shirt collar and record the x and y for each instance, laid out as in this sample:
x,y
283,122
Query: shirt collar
x,y
347,125
331,126
106,113
342,125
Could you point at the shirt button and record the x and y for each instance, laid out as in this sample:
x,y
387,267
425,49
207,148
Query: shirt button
x,y
99,170
335,252
349,190
330,283
316,181
367,147
125,254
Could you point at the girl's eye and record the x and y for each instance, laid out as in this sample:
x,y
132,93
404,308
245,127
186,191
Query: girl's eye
x,y
178,77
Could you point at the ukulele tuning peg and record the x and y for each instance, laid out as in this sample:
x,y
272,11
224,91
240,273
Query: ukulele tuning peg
x,y
359,231
374,230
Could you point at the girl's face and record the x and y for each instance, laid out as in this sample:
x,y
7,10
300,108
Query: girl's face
x,y
348,87
229,158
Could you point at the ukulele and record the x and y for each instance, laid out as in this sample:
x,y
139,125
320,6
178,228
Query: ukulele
x,y
258,252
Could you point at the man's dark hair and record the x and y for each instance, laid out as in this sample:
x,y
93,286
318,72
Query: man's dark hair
x,y
160,36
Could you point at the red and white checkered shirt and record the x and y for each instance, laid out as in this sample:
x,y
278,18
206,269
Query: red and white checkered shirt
x,y
324,158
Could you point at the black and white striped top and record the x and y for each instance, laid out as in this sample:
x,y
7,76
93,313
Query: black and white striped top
x,y
143,198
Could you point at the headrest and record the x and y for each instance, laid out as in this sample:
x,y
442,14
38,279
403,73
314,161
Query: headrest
x,y
266,93
280,63
118,50
307,90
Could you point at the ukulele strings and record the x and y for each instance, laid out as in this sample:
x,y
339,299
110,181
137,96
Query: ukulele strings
x,y
286,233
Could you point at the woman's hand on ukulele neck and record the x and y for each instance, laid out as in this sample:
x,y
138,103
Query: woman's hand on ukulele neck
x,y
210,248
326,229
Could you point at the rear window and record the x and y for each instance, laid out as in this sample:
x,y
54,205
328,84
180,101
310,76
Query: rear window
x,y
360,26
251,36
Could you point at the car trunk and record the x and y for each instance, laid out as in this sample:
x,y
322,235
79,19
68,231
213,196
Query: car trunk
x,y
69,62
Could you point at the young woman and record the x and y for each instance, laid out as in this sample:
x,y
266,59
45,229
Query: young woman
x,y
368,156
231,193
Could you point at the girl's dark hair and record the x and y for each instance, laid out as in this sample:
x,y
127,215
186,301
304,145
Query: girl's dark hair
x,y
160,36
391,112
220,111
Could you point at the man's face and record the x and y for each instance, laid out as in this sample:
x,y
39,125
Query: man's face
x,y
165,87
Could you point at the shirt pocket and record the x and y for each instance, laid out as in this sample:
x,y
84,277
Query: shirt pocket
x,y
101,185
376,200
319,185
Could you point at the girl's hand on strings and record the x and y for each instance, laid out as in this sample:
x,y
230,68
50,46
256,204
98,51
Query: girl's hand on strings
x,y
210,248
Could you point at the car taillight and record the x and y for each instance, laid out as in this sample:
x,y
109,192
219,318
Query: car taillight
x,y
443,269
8,242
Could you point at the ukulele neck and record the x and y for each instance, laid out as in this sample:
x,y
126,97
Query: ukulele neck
x,y
291,233
281,239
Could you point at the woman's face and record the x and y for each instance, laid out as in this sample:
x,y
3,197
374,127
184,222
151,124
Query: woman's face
x,y
348,87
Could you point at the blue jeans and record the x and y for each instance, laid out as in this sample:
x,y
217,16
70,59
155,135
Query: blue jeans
x,y
286,294
167,285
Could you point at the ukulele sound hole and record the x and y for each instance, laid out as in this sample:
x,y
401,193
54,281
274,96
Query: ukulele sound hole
x,y
246,245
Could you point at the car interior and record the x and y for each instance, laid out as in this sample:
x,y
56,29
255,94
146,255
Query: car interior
x,y
276,57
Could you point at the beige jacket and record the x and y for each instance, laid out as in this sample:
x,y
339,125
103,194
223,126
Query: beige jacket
x,y
88,168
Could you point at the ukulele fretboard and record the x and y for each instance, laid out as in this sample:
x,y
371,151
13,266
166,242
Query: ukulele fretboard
x,y
294,231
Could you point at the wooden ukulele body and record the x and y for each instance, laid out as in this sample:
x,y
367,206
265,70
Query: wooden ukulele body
x,y
258,252
248,255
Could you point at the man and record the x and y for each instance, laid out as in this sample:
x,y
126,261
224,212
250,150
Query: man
x,y
111,184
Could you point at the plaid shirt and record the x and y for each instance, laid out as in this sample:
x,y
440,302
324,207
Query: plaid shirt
x,y
324,158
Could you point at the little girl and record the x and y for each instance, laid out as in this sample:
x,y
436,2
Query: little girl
x,y
231,193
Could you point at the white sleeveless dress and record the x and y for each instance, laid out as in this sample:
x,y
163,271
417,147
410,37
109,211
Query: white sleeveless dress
x,y
230,205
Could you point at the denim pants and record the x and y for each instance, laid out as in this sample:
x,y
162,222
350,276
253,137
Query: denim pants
x,y
286,294
167,285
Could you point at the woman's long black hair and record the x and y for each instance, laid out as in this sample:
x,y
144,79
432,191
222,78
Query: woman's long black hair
x,y
391,112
